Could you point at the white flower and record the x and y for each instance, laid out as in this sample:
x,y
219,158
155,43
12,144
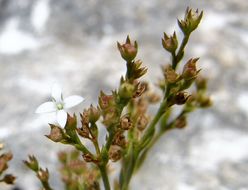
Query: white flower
x,y
59,105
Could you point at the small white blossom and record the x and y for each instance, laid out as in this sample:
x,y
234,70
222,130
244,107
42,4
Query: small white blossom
x,y
59,105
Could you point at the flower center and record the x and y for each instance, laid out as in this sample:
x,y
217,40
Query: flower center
x,y
59,106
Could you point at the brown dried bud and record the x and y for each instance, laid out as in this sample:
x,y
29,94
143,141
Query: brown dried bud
x,y
43,175
88,157
170,74
189,69
115,153
126,123
181,122
85,117
140,88
83,132
9,179
7,156
128,50
170,43
32,163
181,98
119,139
3,164
56,133
94,114
142,122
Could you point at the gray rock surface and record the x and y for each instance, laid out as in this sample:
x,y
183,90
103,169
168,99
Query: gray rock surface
x,y
73,43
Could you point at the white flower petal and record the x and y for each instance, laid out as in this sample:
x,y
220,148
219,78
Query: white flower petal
x,y
57,92
61,118
46,108
72,101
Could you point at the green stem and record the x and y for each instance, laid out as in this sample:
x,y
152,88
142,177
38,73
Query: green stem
x,y
96,145
128,166
151,129
81,147
104,175
177,58
95,140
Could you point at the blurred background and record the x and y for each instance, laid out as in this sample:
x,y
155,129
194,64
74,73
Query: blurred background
x,y
74,43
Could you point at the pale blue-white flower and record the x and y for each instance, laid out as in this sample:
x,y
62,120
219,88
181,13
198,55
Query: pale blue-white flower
x,y
59,105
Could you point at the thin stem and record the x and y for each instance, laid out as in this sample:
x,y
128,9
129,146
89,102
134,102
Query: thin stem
x,y
96,145
177,58
104,175
151,129
81,147
95,140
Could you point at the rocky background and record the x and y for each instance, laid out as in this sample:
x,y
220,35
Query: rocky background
x,y
74,43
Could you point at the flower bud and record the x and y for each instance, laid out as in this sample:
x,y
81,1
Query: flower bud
x,y
32,163
170,43
85,117
56,133
128,50
191,21
105,101
110,117
170,74
71,122
115,153
126,90
205,101
189,69
201,83
94,114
